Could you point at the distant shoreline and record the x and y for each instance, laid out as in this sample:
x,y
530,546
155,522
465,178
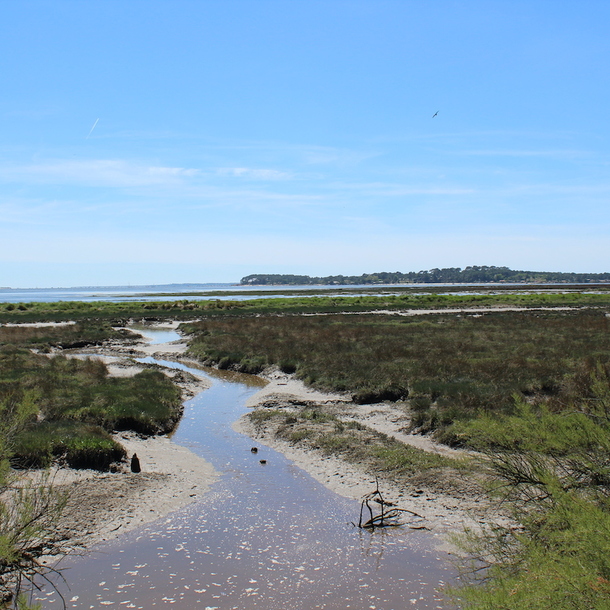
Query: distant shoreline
x,y
450,275
133,288
186,289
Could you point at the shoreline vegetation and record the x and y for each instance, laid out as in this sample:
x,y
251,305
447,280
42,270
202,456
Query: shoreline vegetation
x,y
400,300
487,410
83,409
450,275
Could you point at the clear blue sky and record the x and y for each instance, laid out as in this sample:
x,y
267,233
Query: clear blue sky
x,y
297,136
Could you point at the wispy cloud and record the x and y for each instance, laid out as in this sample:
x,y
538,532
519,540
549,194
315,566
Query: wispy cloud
x,y
326,155
253,174
306,154
123,173
553,153
389,189
99,172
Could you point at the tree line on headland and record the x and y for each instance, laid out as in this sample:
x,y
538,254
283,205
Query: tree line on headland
x,y
450,275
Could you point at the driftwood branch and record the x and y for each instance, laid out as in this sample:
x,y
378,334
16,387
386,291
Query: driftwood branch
x,y
389,513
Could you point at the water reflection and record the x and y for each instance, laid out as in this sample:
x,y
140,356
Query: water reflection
x,y
266,537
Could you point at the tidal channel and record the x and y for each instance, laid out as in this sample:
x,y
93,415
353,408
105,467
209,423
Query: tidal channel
x,y
267,536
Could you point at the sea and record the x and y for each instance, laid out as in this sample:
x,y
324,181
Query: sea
x,y
173,292
239,292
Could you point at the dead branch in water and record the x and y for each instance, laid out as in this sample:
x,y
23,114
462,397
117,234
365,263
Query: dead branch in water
x,y
386,518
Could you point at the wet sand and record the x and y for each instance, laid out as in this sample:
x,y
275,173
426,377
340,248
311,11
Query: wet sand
x,y
102,506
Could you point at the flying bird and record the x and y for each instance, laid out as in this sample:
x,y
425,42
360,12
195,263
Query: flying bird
x,y
94,124
432,116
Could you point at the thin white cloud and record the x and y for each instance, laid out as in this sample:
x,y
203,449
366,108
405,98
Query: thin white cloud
x,y
392,189
173,171
98,172
574,190
300,153
557,153
253,174
323,155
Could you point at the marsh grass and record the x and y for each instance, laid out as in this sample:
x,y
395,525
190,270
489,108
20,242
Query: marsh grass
x,y
452,368
394,299
77,404
65,336
74,444
352,441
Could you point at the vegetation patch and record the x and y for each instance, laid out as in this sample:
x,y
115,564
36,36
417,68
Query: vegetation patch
x,y
314,428
530,390
76,404
64,336
315,301
553,470
452,274
72,444
450,368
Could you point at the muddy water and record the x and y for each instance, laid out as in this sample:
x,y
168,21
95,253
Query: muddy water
x,y
266,537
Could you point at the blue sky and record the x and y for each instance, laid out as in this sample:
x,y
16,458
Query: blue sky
x,y
297,136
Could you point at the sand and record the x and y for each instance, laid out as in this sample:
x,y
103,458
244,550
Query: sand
x,y
102,506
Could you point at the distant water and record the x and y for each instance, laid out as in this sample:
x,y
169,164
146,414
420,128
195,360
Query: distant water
x,y
107,293
238,292
167,292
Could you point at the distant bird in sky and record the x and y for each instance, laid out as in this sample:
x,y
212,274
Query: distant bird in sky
x,y
94,124
432,116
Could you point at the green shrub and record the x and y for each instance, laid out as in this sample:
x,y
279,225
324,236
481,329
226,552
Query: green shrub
x,y
391,393
554,469
252,366
288,367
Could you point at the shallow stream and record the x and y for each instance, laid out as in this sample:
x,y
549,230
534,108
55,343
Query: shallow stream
x,y
267,536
